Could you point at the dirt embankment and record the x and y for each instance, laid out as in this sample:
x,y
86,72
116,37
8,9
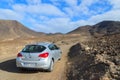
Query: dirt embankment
x,y
97,60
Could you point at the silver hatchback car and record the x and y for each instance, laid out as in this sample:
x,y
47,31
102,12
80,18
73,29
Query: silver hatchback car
x,y
39,56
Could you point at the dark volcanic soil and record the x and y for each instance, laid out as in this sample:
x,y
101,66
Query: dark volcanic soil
x,y
98,59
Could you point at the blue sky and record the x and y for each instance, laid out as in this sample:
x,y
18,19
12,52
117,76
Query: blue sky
x,y
53,16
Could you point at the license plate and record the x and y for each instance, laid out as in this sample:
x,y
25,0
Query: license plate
x,y
29,64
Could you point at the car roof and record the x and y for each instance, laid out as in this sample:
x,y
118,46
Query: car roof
x,y
42,43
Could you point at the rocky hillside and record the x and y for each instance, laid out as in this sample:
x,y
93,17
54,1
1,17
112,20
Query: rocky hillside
x,y
98,59
83,30
105,28
100,29
10,29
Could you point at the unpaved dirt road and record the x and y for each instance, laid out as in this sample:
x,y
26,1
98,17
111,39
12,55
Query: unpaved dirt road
x,y
8,70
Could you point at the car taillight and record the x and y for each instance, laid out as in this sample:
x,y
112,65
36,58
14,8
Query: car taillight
x,y
44,55
19,55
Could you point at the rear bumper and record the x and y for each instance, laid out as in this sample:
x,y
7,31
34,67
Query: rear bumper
x,y
41,64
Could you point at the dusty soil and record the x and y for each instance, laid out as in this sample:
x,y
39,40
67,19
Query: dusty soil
x,y
9,71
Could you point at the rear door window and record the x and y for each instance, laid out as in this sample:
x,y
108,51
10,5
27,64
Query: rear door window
x,y
53,47
56,47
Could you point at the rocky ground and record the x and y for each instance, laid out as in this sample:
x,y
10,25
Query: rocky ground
x,y
98,59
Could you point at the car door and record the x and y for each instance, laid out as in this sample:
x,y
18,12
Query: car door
x,y
57,52
53,51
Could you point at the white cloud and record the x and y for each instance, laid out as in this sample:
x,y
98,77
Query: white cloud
x,y
87,3
71,2
46,9
58,22
82,9
84,6
64,24
53,25
46,17
57,25
66,2
33,2
21,8
42,9
115,4
111,15
10,14
41,28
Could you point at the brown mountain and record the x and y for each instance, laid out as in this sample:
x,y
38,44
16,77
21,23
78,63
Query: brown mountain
x,y
105,28
83,30
11,29
102,28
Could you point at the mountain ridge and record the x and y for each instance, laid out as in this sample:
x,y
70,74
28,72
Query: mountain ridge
x,y
99,29
14,29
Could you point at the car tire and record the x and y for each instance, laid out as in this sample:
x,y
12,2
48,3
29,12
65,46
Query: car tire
x,y
59,59
51,66
21,69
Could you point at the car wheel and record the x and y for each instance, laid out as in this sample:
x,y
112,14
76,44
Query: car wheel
x,y
59,59
51,66
21,69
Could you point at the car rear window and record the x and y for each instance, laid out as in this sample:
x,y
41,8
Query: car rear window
x,y
34,48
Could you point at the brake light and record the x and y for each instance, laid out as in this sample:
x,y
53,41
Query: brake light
x,y
19,55
44,55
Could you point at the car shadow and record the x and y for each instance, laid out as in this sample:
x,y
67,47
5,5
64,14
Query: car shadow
x,y
10,66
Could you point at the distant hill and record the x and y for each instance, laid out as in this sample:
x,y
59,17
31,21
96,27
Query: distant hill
x,y
83,30
105,28
10,29
102,28
51,34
